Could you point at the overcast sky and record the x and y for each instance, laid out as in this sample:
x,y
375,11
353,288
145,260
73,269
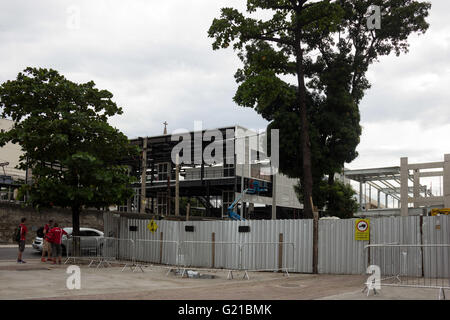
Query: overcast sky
x,y
156,58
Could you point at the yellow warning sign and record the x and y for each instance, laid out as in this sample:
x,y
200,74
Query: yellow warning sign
x,y
152,226
362,229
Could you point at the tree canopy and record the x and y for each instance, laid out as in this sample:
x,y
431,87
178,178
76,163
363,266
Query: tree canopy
x,y
62,127
304,70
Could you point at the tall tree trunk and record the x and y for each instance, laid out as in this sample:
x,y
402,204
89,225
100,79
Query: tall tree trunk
x,y
331,178
307,181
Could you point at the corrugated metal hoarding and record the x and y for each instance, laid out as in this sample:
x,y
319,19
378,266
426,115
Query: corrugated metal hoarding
x,y
190,243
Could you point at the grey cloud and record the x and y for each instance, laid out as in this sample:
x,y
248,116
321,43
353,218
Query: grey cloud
x,y
156,59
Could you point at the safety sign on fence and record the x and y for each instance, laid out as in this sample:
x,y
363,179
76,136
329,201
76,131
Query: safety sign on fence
x,y
152,226
362,229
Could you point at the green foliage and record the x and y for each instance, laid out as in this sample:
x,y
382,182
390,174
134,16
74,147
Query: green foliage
x,y
63,130
328,47
341,200
336,199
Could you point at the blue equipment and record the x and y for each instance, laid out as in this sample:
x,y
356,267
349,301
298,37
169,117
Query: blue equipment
x,y
255,189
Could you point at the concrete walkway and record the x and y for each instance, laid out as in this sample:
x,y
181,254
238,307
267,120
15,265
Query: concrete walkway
x,y
37,280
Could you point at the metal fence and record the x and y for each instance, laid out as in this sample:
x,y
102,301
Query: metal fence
x,y
157,251
77,248
210,254
268,256
115,250
339,252
411,265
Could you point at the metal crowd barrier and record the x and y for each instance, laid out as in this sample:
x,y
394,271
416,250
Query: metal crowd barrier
x,y
235,256
413,265
268,256
156,251
82,248
120,251
232,256
210,254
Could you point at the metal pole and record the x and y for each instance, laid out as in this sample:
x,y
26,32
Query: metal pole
x,y
143,176
315,238
274,197
177,186
242,178
360,196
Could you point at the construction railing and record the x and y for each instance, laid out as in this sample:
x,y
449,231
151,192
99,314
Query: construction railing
x,y
210,254
77,248
233,256
119,251
411,265
268,256
157,251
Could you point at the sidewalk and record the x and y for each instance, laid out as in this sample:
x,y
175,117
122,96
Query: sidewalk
x,y
14,246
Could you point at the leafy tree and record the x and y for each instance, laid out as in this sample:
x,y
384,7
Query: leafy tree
x,y
341,200
62,127
337,198
291,24
328,48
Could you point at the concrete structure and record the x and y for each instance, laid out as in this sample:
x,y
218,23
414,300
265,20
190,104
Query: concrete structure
x,y
420,170
10,177
239,161
403,186
10,215
10,153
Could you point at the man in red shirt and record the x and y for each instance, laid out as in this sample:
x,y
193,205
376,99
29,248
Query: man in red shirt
x,y
46,245
55,235
23,235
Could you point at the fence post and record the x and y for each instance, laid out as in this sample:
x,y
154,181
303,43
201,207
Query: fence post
x,y
421,247
160,248
280,252
213,240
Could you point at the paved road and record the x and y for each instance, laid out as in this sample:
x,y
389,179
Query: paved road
x,y
11,254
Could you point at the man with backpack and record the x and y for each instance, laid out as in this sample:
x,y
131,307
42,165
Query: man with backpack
x,y
46,245
55,237
20,237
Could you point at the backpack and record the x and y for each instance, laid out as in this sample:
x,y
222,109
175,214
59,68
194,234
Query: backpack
x,y
17,232
40,232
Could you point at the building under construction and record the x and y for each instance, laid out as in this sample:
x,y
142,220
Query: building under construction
x,y
238,173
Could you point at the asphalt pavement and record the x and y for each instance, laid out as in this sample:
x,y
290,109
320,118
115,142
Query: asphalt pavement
x,y
10,253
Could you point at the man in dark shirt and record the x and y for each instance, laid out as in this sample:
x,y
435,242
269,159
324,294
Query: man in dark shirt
x,y
23,235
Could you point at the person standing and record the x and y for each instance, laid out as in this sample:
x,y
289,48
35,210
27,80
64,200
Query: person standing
x,y
23,234
46,246
55,236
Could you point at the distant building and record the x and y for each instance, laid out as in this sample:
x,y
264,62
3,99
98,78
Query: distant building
x,y
214,187
10,177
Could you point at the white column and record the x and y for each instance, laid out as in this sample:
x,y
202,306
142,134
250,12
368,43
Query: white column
x,y
447,181
404,173
143,176
360,196
416,186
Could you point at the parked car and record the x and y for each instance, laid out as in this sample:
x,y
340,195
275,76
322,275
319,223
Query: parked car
x,y
89,239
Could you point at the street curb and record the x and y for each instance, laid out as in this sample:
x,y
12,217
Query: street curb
x,y
14,246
